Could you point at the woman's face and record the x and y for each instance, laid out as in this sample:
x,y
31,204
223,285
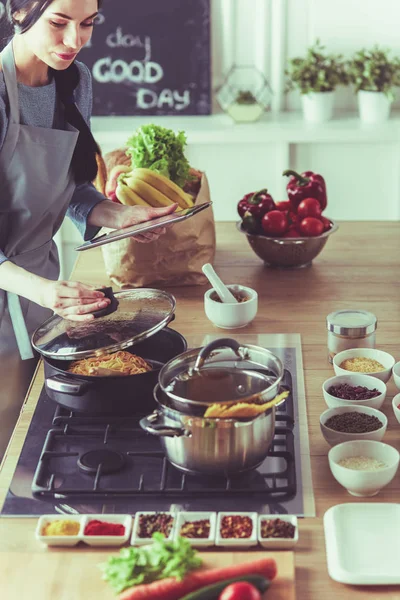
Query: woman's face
x,y
61,31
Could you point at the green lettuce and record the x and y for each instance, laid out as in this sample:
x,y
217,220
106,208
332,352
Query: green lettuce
x,y
144,564
160,149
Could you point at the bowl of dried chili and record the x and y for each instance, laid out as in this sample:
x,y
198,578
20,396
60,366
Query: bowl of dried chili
x,y
236,529
197,527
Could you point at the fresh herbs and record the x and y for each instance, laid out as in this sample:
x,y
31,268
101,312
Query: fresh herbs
x,y
152,562
162,150
316,72
374,71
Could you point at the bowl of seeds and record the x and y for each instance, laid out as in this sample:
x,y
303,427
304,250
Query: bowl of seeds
x,y
368,361
347,423
363,467
354,389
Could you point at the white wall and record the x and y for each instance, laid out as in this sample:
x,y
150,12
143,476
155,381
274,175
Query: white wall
x,y
360,164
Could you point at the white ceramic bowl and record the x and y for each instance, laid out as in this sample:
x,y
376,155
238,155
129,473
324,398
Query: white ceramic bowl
x,y
107,540
337,437
242,542
396,374
364,483
382,357
140,541
395,404
231,316
58,540
355,379
184,517
278,543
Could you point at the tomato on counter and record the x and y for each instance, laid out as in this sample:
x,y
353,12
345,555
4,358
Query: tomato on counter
x,y
240,591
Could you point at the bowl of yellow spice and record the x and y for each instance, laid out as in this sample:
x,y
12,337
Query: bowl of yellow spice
x,y
368,361
55,531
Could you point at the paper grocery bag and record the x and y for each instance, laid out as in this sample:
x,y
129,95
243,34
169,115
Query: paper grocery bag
x,y
175,258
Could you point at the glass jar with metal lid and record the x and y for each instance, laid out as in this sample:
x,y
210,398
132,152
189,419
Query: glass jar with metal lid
x,y
350,328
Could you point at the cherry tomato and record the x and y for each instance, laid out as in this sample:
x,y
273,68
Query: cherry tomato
x,y
240,591
309,207
274,222
310,226
326,223
292,232
283,205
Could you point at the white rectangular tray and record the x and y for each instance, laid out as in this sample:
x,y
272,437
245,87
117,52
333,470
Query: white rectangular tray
x,y
363,543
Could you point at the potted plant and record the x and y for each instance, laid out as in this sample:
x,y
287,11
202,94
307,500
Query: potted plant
x,y
374,75
316,76
245,94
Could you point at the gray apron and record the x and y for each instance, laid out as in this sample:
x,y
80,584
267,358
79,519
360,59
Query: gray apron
x,y
36,187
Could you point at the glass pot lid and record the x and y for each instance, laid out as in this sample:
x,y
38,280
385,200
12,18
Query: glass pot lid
x,y
139,314
215,374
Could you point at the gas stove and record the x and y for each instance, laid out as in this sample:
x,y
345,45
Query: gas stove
x,y
78,463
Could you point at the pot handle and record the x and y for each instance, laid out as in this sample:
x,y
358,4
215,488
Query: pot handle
x,y
63,385
149,424
221,343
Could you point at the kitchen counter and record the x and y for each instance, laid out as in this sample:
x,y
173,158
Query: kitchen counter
x,y
358,268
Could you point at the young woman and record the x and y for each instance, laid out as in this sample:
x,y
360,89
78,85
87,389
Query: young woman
x,y
47,161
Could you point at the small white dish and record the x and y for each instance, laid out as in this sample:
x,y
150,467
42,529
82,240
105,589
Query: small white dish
x,y
395,405
354,379
396,374
242,542
58,540
231,316
185,517
278,543
337,437
139,541
364,483
363,543
384,358
107,540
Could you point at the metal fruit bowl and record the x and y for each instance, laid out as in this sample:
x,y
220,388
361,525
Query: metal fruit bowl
x,y
287,252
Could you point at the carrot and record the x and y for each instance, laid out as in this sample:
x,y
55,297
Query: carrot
x,y
171,589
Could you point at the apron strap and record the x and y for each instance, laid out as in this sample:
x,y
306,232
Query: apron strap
x,y
10,78
20,330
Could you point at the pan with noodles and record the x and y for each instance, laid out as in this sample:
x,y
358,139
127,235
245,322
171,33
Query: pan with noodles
x,y
116,383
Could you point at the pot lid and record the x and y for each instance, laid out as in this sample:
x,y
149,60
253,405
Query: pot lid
x,y
215,374
139,313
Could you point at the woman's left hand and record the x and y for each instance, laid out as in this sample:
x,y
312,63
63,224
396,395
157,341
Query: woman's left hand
x,y
118,216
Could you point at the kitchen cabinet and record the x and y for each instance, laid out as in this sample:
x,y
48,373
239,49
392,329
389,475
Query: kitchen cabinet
x,y
357,268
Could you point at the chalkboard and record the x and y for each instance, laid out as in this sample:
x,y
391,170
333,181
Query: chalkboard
x,y
149,57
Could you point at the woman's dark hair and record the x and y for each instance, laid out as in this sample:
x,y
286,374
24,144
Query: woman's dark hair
x,y
83,164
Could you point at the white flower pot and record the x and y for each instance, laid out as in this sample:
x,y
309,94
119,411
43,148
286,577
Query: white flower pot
x,y
374,107
317,106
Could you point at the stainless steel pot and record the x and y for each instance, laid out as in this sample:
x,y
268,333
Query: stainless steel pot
x,y
200,445
221,372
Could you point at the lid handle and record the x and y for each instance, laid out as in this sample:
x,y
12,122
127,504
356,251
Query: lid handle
x,y
112,307
221,343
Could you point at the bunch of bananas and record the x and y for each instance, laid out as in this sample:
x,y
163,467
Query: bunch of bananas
x,y
144,187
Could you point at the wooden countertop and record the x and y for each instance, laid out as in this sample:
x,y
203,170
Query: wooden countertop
x,y
359,267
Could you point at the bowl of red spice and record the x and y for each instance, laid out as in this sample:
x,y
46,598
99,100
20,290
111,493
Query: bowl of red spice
x,y
149,522
197,527
106,530
236,529
278,532
347,423
354,389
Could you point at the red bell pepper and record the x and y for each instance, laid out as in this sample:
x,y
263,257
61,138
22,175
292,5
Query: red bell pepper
x,y
306,185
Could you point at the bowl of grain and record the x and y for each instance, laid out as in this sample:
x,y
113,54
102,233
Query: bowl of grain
x,y
347,423
369,361
363,467
354,389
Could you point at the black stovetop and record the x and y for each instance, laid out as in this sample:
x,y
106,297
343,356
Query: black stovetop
x,y
55,473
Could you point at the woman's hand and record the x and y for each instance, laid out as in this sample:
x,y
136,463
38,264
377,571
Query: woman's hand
x,y
71,300
117,216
